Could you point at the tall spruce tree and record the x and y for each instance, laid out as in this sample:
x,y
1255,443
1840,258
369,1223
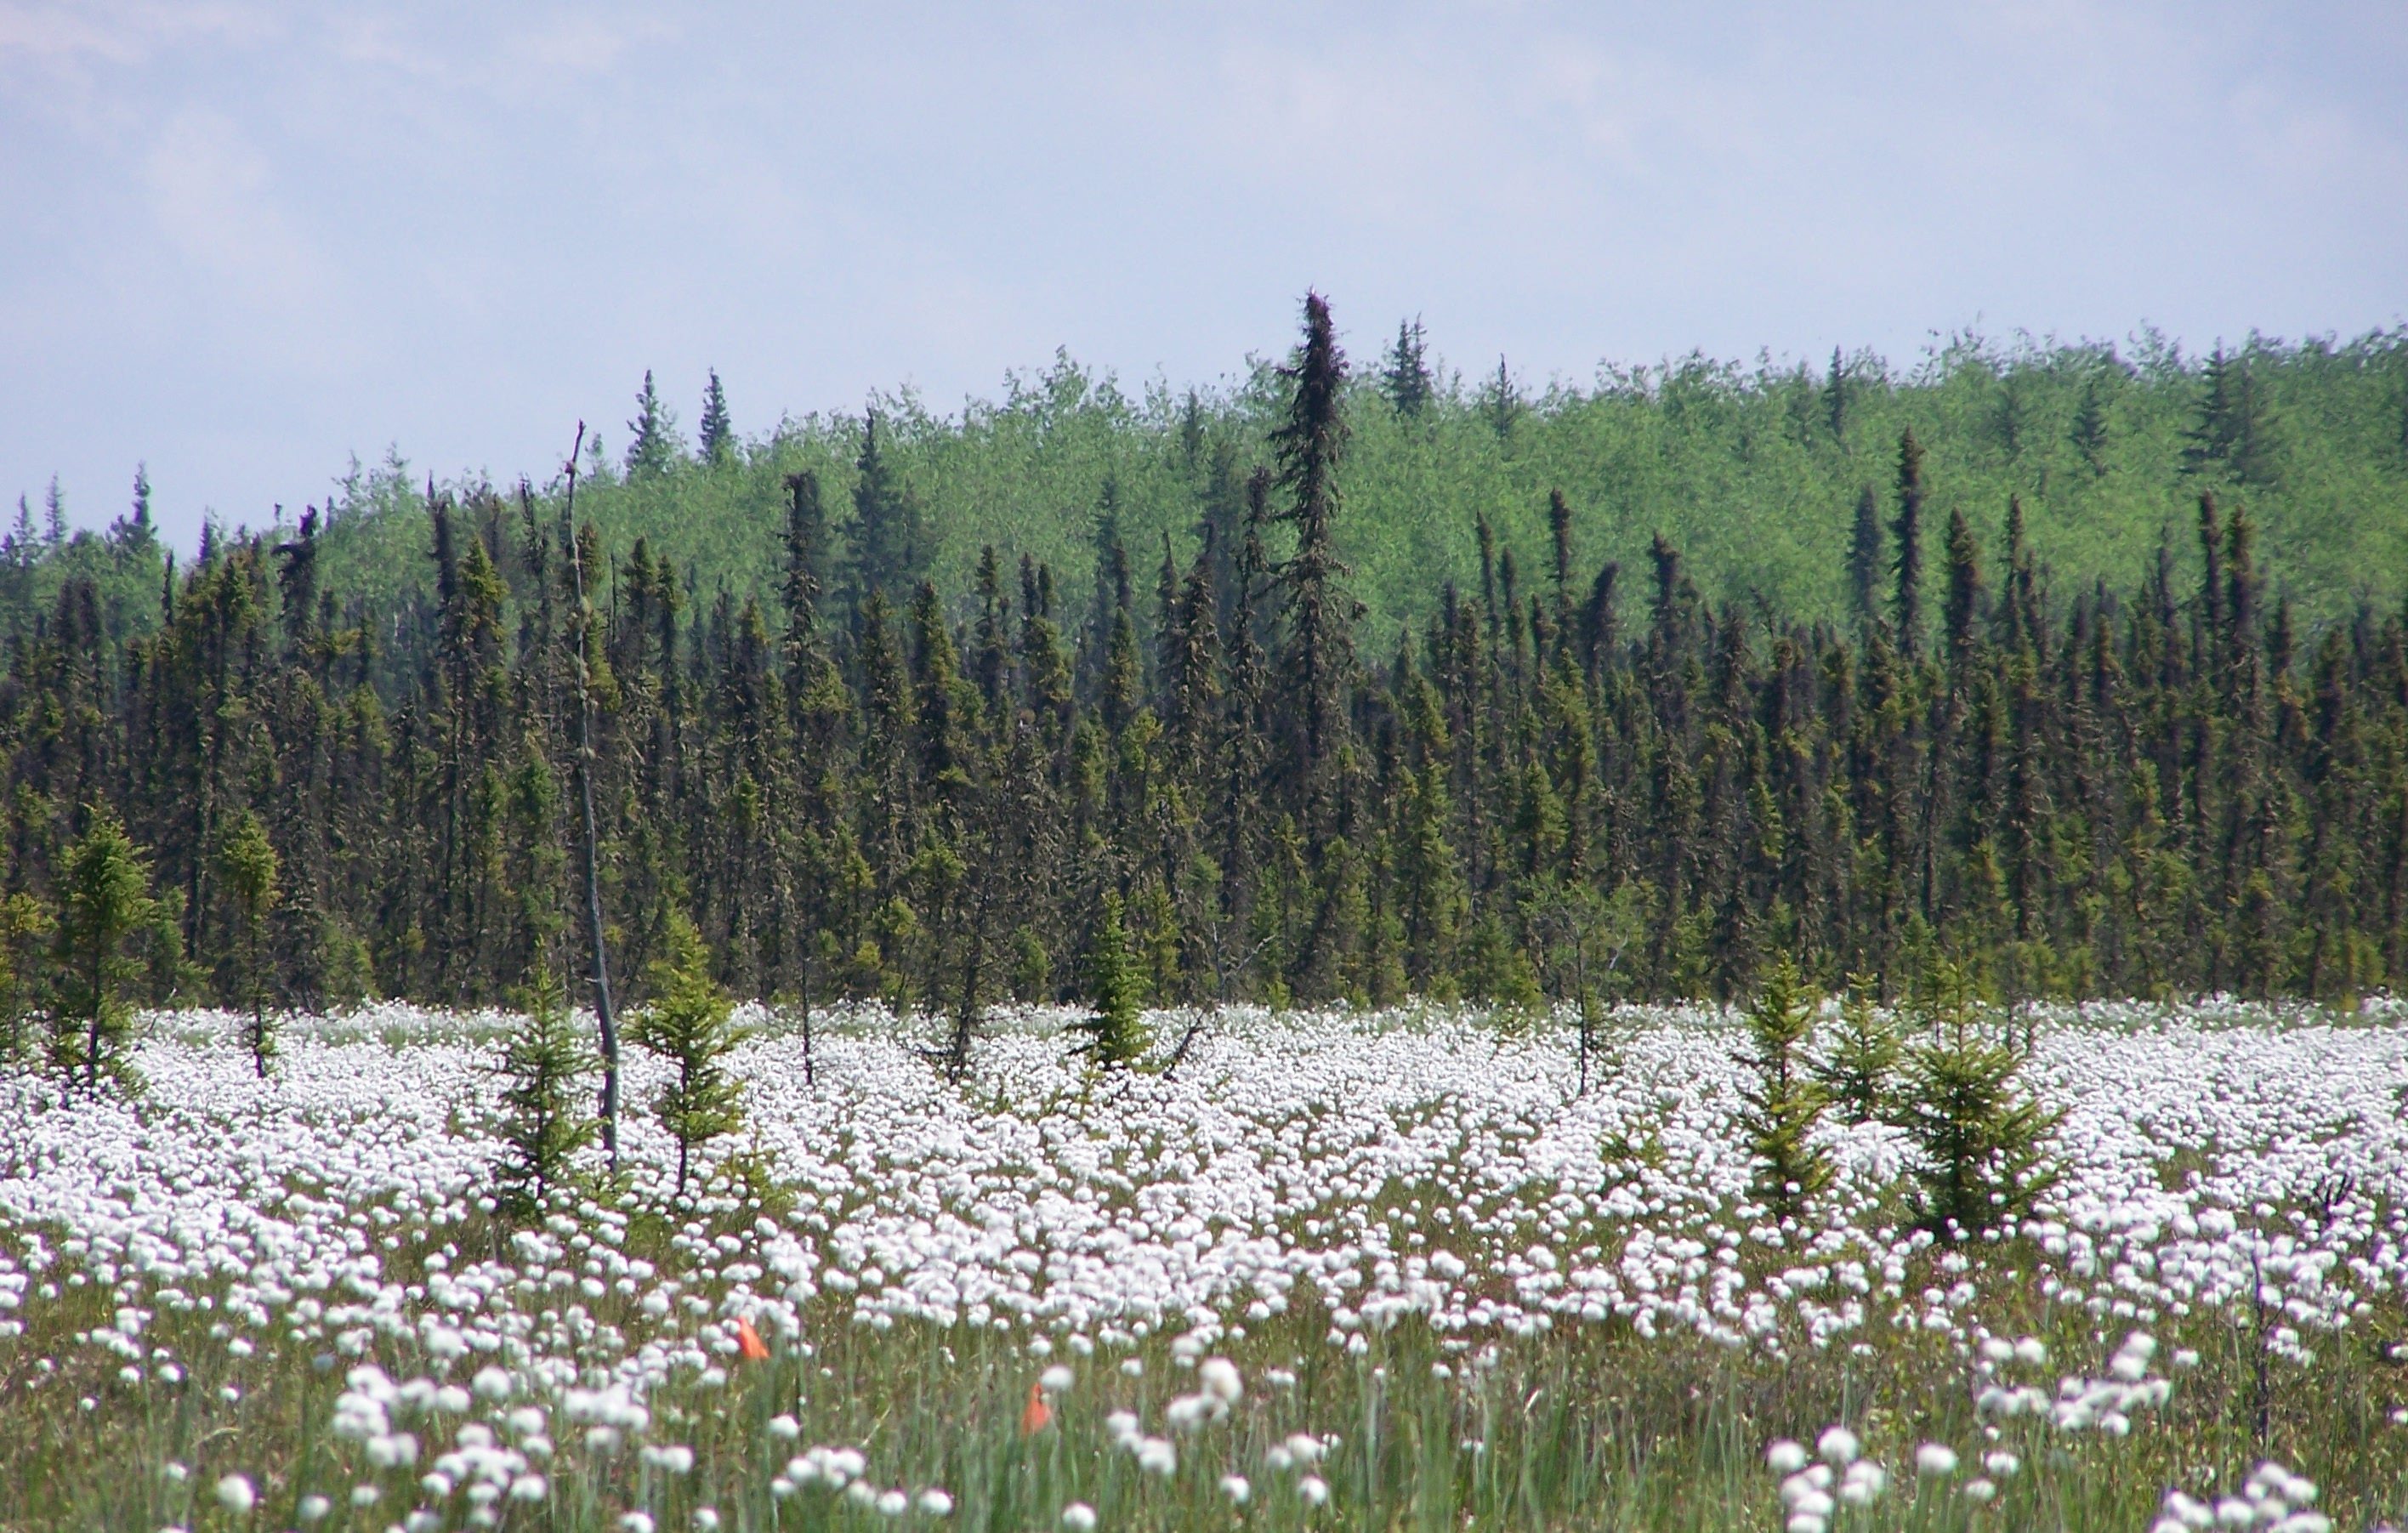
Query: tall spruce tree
x,y
1865,549
1317,652
1906,599
717,431
1406,378
653,446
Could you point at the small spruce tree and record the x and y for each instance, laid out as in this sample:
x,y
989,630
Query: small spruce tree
x,y
689,1026
1786,1103
1982,1134
25,928
544,1063
246,861
105,903
1859,1071
1113,1033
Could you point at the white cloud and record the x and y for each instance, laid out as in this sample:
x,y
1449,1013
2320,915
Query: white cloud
x,y
214,200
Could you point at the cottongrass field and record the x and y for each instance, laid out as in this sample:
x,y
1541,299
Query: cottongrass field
x,y
1340,1271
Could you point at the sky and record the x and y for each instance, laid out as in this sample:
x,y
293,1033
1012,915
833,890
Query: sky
x,y
244,241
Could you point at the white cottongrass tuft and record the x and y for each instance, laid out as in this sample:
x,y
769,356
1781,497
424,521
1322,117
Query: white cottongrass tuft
x,y
1078,1517
1235,1487
1786,1457
1935,1460
936,1503
1056,1379
235,1494
1838,1445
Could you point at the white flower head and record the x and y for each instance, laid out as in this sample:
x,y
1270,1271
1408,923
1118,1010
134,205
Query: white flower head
x,y
1935,1460
235,1494
1785,1457
1838,1445
1078,1517
1219,1378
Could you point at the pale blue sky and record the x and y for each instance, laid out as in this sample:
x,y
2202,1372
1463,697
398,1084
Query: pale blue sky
x,y
245,240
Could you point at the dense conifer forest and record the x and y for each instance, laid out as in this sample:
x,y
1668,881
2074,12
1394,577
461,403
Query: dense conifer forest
x,y
2087,675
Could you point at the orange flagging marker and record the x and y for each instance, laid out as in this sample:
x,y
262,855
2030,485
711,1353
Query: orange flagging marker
x,y
1033,1419
748,1341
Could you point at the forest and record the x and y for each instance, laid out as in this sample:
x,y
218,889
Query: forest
x,y
1346,683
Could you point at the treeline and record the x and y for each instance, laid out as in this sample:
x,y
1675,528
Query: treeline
x,y
1573,779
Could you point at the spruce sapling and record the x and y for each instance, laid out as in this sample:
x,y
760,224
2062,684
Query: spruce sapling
x,y
1859,1071
689,1026
1784,1104
105,902
247,861
542,1126
1982,1135
1114,1035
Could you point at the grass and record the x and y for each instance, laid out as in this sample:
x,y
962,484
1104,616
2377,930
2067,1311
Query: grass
x,y
121,1407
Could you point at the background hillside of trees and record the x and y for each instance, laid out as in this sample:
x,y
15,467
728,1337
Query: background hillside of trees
x,y
1355,681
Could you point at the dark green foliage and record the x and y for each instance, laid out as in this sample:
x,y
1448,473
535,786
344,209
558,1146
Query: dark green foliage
x,y
105,904
1784,1103
688,1023
1982,1137
2233,437
1906,593
544,1065
1406,379
2089,434
1112,1031
1865,559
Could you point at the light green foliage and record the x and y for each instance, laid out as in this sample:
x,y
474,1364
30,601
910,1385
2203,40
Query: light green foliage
x,y
25,927
1859,1070
1982,1135
1582,935
1738,466
105,902
688,1024
1114,1033
1784,1104
246,861
544,1123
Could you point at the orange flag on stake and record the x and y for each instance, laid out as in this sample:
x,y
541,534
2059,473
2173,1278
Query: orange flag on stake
x,y
749,1342
1033,1419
